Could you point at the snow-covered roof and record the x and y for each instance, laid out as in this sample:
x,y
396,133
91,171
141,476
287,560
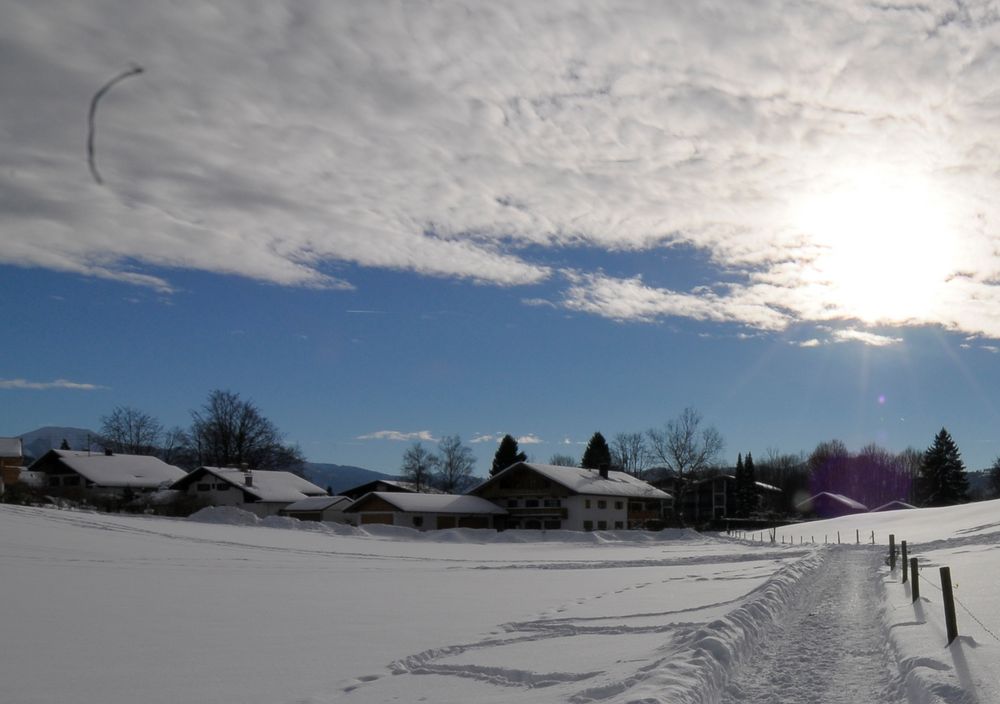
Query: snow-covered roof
x,y
143,471
894,506
839,498
589,481
433,503
760,485
10,447
266,485
318,503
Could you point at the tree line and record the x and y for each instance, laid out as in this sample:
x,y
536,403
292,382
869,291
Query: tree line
x,y
226,430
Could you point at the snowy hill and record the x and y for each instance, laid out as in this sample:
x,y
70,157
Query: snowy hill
x,y
226,607
38,442
341,476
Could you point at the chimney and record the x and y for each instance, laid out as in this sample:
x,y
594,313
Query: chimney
x,y
603,469
247,478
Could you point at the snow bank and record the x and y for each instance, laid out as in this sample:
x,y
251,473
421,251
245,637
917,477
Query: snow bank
x,y
225,515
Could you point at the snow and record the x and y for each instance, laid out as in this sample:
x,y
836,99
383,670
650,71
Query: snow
x,y
227,607
266,485
119,470
437,503
588,481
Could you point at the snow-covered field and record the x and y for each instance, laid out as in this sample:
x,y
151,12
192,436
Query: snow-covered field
x,y
112,609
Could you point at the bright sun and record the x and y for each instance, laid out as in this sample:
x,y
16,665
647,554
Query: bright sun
x,y
883,245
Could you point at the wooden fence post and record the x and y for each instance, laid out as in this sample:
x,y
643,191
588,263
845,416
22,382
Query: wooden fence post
x,y
902,546
915,583
838,537
892,552
857,535
873,537
949,604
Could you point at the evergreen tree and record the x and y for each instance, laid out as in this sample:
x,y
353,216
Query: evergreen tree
x,y
749,486
942,480
741,478
597,454
507,454
64,445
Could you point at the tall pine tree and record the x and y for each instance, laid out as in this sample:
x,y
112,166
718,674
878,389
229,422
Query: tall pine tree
x,y
749,499
597,454
942,480
741,479
507,454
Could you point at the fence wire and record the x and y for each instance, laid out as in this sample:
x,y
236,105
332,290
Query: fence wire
x,y
965,608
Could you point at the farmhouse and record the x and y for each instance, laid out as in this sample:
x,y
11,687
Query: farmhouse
x,y
318,508
541,496
261,492
715,498
383,485
104,472
426,511
11,459
895,505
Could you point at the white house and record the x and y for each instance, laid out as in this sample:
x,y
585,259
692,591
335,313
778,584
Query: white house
x,y
261,492
319,508
426,511
572,498
104,472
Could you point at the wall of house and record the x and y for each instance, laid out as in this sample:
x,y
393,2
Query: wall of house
x,y
596,513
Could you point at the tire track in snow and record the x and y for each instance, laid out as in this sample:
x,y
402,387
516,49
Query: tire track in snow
x,y
830,646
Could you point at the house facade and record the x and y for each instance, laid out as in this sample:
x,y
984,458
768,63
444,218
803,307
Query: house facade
x,y
549,497
261,492
426,511
103,473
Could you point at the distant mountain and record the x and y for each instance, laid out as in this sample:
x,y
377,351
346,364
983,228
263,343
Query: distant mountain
x,y
341,476
38,442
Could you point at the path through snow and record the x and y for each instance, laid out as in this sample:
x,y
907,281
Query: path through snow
x,y
830,646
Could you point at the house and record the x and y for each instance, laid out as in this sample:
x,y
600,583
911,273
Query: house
x,y
895,505
426,511
261,492
104,473
829,505
714,498
381,485
11,460
318,508
539,496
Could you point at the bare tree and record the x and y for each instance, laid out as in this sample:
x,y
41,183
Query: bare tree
x,y
230,431
130,431
683,446
418,466
562,460
175,448
629,453
455,463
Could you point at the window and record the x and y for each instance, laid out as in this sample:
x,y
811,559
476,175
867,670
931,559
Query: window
x,y
586,504
588,525
618,505
72,480
53,481
602,525
418,521
204,487
602,504
619,525
222,487
552,503
511,503
531,503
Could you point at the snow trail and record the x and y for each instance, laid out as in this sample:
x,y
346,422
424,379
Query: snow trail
x,y
830,647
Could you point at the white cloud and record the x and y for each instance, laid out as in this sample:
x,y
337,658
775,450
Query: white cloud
x,y
529,439
398,436
45,385
813,342
317,134
487,437
867,338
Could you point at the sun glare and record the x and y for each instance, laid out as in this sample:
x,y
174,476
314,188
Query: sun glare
x,y
884,247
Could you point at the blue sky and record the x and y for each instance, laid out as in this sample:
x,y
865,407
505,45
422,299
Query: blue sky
x,y
388,221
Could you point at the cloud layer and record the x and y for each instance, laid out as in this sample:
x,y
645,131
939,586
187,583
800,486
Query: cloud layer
x,y
46,385
279,140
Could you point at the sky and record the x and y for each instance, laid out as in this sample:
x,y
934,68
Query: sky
x,y
388,222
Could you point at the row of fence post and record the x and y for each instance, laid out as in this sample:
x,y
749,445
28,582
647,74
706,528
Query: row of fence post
x,y
913,575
